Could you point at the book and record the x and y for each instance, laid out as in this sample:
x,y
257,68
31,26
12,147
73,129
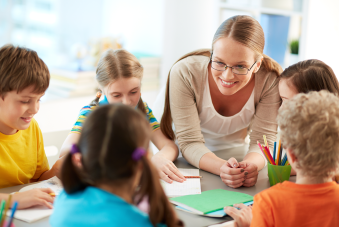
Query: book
x,y
189,187
212,200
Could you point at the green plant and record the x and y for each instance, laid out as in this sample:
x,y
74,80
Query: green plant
x,y
294,46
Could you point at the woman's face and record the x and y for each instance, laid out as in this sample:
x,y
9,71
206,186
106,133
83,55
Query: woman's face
x,y
286,90
229,52
124,90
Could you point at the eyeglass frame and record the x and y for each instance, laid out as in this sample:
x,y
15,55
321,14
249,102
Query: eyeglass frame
x,y
226,66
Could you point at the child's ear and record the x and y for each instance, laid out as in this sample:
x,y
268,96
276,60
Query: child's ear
x,y
290,156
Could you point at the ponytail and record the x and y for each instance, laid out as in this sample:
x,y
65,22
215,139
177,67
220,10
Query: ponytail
x,y
141,106
166,119
161,211
70,177
271,66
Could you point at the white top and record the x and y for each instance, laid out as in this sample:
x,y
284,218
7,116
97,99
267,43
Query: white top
x,y
222,132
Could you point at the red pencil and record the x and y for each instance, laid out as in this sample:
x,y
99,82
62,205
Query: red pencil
x,y
269,155
193,176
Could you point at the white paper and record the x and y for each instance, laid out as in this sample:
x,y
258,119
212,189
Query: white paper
x,y
190,187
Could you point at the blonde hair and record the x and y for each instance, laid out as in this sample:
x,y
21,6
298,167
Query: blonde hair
x,y
243,29
20,68
309,126
115,64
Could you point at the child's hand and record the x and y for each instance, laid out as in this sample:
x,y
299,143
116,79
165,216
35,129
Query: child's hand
x,y
167,170
252,176
58,165
242,217
37,196
232,174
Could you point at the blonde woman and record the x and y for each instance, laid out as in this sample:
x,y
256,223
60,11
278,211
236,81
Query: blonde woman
x,y
217,97
119,75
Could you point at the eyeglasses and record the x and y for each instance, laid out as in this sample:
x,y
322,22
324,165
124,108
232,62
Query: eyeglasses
x,y
240,70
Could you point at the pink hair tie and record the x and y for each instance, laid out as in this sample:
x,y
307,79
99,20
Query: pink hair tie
x,y
75,149
138,153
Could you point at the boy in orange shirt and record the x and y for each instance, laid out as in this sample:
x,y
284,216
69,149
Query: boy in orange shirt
x,y
309,126
24,78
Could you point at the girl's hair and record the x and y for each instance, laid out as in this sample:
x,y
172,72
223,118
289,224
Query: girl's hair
x,y
109,137
115,64
243,29
311,75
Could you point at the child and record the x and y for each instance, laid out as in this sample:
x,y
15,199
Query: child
x,y
119,75
306,76
24,78
113,171
309,126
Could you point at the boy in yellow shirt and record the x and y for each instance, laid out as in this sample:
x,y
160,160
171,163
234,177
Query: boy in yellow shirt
x,y
24,78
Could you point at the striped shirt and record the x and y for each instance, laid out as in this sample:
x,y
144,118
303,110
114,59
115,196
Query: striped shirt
x,y
87,109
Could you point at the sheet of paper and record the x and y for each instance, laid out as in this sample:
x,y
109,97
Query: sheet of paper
x,y
190,187
31,214
54,183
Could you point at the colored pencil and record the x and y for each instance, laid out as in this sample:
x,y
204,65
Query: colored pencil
x,y
266,144
278,153
269,156
2,207
287,163
264,152
193,176
12,215
284,160
6,208
52,194
274,150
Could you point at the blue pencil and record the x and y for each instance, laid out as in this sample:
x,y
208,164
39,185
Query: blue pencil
x,y
284,160
274,150
12,215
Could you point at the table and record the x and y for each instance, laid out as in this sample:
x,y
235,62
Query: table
x,y
208,182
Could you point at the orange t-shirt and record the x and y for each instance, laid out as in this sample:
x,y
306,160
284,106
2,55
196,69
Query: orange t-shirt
x,y
290,204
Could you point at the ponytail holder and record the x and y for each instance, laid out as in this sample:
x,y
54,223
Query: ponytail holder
x,y
98,95
138,153
75,149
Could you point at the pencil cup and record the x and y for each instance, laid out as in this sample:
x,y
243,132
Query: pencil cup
x,y
278,174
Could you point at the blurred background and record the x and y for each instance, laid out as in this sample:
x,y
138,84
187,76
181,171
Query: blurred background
x,y
70,35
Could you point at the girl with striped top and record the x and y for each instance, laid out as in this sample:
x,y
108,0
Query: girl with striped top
x,y
119,75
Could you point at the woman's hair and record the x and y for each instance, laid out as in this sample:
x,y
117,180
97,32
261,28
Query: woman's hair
x,y
109,137
243,29
115,64
311,75
309,126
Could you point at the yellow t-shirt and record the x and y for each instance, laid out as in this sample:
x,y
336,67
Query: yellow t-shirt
x,y
22,156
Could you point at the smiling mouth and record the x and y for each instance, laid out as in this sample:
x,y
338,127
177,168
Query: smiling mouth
x,y
228,83
27,119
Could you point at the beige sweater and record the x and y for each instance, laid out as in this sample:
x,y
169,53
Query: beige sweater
x,y
187,82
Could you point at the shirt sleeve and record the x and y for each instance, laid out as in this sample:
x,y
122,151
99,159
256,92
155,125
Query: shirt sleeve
x,y
42,161
152,120
265,116
262,212
77,127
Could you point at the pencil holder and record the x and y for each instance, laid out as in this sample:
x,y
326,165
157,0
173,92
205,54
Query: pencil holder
x,y
278,174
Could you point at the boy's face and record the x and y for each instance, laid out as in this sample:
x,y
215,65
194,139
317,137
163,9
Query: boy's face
x,y
18,109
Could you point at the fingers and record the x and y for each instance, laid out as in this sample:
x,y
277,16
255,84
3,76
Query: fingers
x,y
171,175
231,171
251,168
45,203
177,173
240,206
249,182
233,162
233,177
164,177
46,190
231,211
233,184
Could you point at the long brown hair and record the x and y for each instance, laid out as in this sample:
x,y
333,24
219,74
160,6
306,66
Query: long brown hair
x,y
311,75
109,137
243,29
115,64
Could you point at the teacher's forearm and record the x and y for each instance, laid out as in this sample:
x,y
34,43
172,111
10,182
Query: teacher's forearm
x,y
256,159
211,163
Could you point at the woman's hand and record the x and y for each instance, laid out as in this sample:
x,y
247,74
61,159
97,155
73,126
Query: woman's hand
x,y
252,176
233,174
37,196
242,217
167,170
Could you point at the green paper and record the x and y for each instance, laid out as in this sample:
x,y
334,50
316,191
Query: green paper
x,y
278,174
212,200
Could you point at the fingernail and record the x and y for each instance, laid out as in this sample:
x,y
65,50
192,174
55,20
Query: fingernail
x,y
235,165
242,170
246,173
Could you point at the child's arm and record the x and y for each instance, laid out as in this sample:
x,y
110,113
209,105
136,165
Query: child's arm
x,y
163,160
54,171
37,196
71,139
242,217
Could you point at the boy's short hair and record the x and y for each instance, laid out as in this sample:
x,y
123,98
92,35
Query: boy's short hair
x,y
21,68
309,126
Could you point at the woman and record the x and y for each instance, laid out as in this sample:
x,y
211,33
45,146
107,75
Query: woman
x,y
214,96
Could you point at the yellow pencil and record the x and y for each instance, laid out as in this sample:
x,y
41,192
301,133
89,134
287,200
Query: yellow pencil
x,y
6,209
278,153
265,140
